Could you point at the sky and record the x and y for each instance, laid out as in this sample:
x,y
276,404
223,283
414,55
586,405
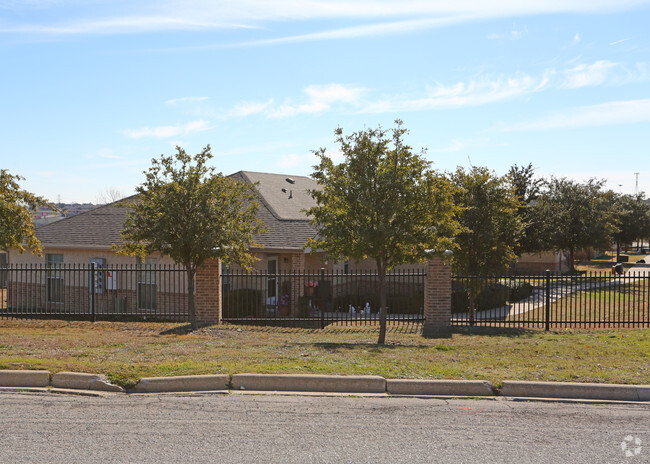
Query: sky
x,y
92,90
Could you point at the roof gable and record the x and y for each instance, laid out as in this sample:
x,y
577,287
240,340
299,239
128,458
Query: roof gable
x,y
285,196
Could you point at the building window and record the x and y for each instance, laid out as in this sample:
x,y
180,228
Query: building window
x,y
147,285
55,282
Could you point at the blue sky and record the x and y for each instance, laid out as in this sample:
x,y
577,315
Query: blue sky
x,y
93,89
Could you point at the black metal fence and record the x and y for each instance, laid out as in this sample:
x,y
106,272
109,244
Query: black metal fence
x,y
588,300
91,292
319,298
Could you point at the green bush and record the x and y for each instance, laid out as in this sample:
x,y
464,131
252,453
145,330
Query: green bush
x,y
520,291
492,296
489,296
243,302
459,300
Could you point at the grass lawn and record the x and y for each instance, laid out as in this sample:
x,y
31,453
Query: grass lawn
x,y
127,351
616,304
605,263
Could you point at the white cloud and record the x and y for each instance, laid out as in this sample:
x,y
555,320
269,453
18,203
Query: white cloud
x,y
190,15
576,38
462,94
489,89
163,132
243,109
316,99
184,100
320,98
105,153
514,34
585,75
604,114
620,41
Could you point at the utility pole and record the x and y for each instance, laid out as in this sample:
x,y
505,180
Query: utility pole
x,y
636,184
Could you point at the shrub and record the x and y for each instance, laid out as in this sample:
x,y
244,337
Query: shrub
x,y
243,302
492,296
459,300
519,291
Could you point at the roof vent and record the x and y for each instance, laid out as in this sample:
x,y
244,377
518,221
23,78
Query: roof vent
x,y
290,194
290,180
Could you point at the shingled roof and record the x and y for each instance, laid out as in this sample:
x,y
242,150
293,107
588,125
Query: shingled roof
x,y
97,228
288,226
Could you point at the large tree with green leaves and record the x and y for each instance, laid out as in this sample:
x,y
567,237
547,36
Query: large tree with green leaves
x,y
527,188
16,208
187,211
383,202
491,226
576,216
634,219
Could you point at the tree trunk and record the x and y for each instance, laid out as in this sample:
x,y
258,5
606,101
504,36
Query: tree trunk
x,y
572,267
382,304
190,298
618,251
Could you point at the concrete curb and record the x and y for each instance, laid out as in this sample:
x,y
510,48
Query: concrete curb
x,y
183,383
80,381
338,384
10,378
310,383
439,387
593,391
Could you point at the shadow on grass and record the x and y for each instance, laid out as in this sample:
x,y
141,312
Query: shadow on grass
x,y
329,330
180,330
496,331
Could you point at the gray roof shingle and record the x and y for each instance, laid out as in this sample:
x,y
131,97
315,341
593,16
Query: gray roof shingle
x,y
287,225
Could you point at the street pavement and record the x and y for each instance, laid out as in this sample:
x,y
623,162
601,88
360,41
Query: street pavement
x,y
46,427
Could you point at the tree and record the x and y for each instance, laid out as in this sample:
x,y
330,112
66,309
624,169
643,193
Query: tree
x,y
634,219
527,189
16,208
383,201
110,195
576,216
491,225
188,212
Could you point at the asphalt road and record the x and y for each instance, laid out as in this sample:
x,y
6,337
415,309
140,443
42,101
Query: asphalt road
x,y
297,429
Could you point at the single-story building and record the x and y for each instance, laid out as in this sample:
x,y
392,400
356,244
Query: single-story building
x,y
88,238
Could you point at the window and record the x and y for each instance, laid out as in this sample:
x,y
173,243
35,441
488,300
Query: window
x,y
55,282
147,285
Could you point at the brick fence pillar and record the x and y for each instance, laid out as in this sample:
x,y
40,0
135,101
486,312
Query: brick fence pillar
x,y
208,292
437,299
297,281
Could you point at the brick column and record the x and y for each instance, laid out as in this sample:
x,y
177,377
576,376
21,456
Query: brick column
x,y
297,281
208,292
437,299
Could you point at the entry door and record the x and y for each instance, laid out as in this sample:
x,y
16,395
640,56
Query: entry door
x,y
272,281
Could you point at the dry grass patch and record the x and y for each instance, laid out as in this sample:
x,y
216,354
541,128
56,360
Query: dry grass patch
x,y
128,351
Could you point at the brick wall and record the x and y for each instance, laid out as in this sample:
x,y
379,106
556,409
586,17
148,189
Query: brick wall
x,y
208,293
437,299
